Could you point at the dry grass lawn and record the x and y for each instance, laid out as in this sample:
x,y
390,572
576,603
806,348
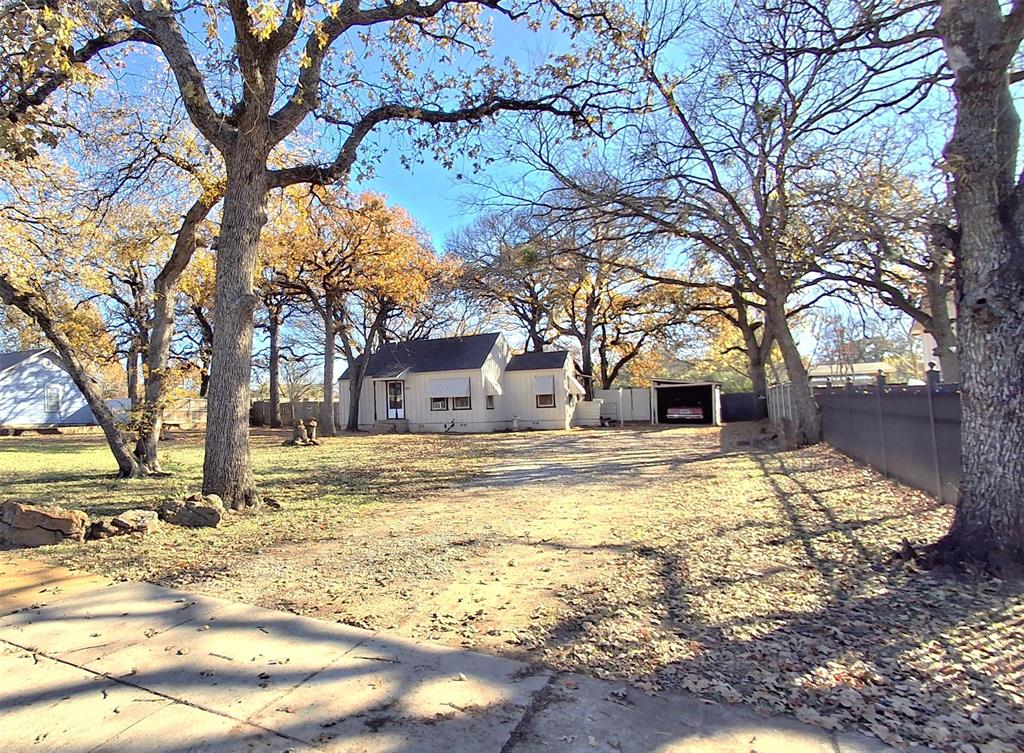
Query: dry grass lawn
x,y
690,559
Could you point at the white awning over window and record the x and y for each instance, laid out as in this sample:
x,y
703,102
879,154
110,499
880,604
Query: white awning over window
x,y
575,388
448,387
491,387
544,384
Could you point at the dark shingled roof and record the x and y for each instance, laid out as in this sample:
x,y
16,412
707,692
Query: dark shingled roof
x,y
7,360
444,354
548,359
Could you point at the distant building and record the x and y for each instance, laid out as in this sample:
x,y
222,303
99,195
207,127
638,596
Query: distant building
x,y
37,393
865,372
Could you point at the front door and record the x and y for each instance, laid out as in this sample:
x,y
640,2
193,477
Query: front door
x,y
396,400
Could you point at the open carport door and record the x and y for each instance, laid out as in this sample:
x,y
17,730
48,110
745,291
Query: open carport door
x,y
686,403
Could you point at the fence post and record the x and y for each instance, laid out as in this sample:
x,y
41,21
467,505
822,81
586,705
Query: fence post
x,y
932,377
848,401
880,388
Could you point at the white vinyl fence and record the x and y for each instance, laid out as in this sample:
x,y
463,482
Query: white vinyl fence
x,y
626,404
780,402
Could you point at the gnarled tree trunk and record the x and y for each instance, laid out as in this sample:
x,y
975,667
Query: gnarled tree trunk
x,y
36,309
132,370
227,467
326,416
807,417
161,332
357,376
757,361
274,329
940,327
988,530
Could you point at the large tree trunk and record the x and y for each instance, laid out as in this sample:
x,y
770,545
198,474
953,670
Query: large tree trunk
x,y
759,382
988,529
36,309
756,351
945,352
535,339
806,416
587,369
326,417
358,367
940,327
161,332
357,376
275,367
132,369
227,468
757,362
205,349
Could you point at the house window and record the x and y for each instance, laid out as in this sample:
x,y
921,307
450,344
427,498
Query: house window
x,y
438,403
545,401
461,403
490,402
51,400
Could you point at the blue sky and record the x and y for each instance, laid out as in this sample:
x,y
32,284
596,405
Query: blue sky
x,y
429,193
432,194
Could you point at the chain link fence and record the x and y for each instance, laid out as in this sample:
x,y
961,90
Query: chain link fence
x,y
909,433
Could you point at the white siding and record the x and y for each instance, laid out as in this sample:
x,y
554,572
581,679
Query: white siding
x,y
636,403
23,390
476,418
365,402
516,404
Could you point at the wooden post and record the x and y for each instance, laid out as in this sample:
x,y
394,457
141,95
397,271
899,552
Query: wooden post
x,y
880,388
933,384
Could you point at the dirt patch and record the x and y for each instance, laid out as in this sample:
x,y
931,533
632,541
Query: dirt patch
x,y
693,559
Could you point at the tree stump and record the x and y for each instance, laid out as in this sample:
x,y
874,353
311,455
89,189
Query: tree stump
x,y
299,436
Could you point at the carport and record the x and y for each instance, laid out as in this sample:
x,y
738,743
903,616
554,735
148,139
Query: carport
x,y
694,403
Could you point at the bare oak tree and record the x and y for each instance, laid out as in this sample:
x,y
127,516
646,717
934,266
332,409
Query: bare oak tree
x,y
263,73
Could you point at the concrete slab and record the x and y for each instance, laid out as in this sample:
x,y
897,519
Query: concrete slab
x,y
85,627
232,659
178,728
46,705
27,583
578,714
391,695
185,673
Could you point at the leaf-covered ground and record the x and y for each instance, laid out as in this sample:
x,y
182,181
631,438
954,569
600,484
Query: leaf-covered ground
x,y
677,559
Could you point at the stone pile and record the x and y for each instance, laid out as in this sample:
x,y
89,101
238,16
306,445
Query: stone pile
x,y
25,525
197,511
130,521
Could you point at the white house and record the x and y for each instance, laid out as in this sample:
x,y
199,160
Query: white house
x,y
37,393
464,384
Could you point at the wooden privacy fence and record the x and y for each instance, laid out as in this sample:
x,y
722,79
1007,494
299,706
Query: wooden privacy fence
x,y
911,434
188,413
259,413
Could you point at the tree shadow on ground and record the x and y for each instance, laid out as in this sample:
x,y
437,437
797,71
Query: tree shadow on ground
x,y
866,644
170,672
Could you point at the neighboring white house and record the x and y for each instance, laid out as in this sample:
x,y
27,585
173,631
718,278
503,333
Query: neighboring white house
x,y
464,384
863,372
37,393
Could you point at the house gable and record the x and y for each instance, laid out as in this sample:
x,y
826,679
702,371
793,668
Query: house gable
x,y
36,391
